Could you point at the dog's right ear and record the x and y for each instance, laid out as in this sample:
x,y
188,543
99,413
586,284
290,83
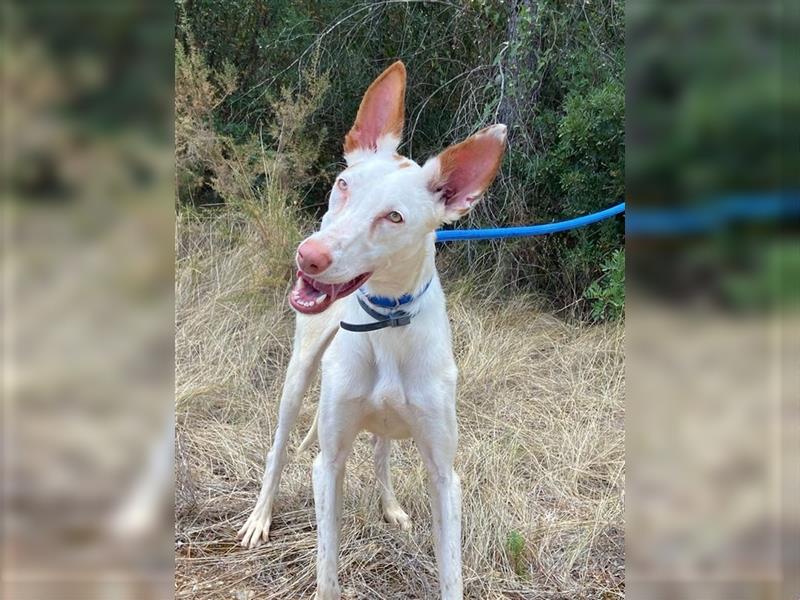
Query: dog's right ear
x,y
379,122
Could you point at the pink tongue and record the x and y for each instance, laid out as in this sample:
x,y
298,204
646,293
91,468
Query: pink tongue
x,y
309,293
331,289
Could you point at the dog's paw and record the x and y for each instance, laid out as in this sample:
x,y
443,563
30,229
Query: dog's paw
x,y
255,531
394,515
327,594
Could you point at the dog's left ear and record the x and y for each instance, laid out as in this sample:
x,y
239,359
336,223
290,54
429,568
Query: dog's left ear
x,y
379,122
461,174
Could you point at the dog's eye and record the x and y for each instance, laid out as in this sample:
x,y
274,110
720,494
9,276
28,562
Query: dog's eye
x,y
341,184
395,217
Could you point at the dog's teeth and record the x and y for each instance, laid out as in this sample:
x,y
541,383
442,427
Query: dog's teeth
x,y
320,298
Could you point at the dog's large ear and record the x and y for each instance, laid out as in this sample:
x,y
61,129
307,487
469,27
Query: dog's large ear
x,y
462,173
379,122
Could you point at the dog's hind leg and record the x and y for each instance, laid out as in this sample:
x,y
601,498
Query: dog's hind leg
x,y
392,511
312,337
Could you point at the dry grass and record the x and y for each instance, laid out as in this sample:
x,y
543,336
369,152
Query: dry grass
x,y
541,454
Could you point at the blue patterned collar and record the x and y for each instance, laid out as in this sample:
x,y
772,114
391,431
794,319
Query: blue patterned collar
x,y
386,302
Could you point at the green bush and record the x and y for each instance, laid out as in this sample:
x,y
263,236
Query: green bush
x,y
515,547
259,177
607,294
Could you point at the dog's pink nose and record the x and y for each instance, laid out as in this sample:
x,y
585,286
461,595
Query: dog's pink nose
x,y
313,257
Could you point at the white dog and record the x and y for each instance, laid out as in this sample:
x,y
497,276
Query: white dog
x,y
391,368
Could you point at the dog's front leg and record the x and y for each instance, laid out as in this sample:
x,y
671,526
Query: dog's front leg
x,y
312,336
445,488
436,436
337,431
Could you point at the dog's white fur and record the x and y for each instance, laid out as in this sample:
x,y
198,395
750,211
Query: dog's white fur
x,y
395,382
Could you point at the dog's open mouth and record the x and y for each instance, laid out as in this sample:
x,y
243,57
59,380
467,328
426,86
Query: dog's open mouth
x,y
310,296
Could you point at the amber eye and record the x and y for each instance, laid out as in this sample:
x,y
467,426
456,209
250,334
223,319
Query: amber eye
x,y
395,217
341,184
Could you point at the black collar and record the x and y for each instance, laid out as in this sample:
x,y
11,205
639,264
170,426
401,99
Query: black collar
x,y
397,318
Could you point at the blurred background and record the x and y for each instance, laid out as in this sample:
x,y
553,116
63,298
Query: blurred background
x,y
88,253
713,188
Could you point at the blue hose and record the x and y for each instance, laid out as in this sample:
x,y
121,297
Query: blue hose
x,y
452,235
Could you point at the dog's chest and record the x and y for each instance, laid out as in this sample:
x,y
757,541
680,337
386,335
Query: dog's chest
x,y
386,406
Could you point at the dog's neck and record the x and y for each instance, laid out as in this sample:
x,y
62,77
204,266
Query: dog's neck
x,y
406,273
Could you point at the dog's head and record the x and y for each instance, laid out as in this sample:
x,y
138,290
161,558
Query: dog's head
x,y
383,205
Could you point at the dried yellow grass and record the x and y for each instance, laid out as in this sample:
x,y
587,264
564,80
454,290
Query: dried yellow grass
x,y
541,453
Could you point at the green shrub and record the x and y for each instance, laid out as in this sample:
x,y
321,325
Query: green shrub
x,y
515,547
607,294
256,179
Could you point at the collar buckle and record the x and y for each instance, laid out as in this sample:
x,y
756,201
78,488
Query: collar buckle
x,y
400,321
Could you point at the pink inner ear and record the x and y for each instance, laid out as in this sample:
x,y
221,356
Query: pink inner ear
x,y
381,111
468,168
377,114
